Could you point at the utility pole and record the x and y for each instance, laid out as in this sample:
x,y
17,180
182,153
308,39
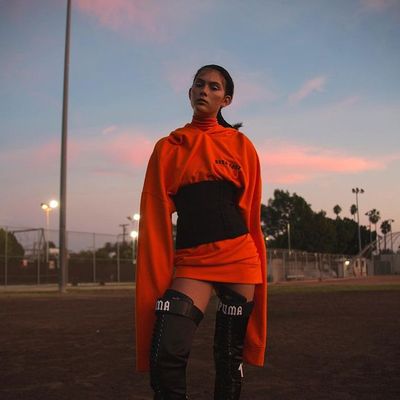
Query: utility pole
x,y
124,226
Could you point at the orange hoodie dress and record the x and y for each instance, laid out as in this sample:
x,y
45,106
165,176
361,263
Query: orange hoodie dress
x,y
200,151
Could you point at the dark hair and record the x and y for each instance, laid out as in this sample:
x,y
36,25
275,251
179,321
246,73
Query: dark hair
x,y
229,89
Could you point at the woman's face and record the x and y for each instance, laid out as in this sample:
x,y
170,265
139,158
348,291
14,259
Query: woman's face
x,y
207,94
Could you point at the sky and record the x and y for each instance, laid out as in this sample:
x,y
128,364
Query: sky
x,y
317,87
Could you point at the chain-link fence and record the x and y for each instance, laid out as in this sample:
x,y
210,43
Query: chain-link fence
x,y
286,265
30,256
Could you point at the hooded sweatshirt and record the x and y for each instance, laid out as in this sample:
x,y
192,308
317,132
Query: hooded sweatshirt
x,y
200,151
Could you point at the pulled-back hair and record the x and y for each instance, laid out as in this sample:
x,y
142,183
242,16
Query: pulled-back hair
x,y
229,89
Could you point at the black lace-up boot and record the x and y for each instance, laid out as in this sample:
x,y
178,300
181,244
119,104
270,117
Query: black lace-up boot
x,y
176,323
230,330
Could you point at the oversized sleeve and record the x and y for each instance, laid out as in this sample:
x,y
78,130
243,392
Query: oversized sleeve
x,y
250,205
154,265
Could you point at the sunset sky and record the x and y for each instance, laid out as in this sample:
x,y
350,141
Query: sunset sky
x,y
317,89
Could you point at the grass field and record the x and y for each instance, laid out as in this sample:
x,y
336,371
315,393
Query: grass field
x,y
331,340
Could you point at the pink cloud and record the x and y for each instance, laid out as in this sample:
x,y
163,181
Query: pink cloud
x,y
42,156
130,150
125,151
109,129
119,15
292,163
113,152
142,19
111,149
49,152
313,85
347,102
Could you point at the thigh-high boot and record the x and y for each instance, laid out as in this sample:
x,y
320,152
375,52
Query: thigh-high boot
x,y
230,330
176,321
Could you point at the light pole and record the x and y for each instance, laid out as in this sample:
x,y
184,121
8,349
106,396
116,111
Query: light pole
x,y
368,214
63,256
134,218
134,235
289,239
356,191
47,207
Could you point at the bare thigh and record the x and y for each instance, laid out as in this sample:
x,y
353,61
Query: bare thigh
x,y
246,290
199,291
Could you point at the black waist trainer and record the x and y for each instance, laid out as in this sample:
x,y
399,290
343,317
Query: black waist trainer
x,y
207,212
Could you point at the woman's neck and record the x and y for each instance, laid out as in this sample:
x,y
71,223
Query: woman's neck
x,y
204,123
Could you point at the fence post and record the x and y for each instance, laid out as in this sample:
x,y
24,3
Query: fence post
x,y
5,257
306,264
119,264
284,263
38,267
330,263
316,262
38,271
41,234
67,258
269,266
117,256
94,257
321,264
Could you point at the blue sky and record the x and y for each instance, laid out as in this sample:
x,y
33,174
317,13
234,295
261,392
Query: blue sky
x,y
317,88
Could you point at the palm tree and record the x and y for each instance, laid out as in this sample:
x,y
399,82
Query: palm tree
x,y
385,229
353,211
374,216
337,210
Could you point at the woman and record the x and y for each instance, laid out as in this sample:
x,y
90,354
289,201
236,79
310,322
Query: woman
x,y
208,172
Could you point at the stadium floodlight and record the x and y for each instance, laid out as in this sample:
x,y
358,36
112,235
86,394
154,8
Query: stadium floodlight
x,y
357,191
134,217
134,235
47,207
53,204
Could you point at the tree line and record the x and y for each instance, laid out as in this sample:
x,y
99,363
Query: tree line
x,y
289,221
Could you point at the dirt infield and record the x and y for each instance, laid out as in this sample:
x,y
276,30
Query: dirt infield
x,y
333,341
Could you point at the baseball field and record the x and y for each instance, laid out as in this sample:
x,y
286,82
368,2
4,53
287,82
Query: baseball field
x,y
336,340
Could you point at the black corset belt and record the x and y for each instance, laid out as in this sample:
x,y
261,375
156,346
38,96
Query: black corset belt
x,y
207,212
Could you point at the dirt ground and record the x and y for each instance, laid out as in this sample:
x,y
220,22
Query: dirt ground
x,y
326,341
